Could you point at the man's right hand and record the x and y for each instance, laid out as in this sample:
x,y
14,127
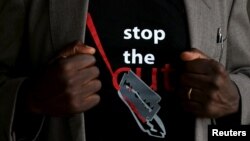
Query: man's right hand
x,y
69,85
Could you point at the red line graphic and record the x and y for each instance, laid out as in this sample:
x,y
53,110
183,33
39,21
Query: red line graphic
x,y
98,43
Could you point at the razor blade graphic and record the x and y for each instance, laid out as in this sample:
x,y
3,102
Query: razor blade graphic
x,y
142,101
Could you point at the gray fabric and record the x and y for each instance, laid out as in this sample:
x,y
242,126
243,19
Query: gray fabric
x,y
66,129
67,21
41,28
238,58
205,17
248,9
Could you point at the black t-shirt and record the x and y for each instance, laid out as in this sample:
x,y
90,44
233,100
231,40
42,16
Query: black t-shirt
x,y
141,41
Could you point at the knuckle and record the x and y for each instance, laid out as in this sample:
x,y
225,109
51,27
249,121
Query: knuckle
x,y
95,71
89,58
94,86
65,67
221,70
93,59
69,93
217,82
98,85
213,96
211,110
69,83
65,83
90,102
73,104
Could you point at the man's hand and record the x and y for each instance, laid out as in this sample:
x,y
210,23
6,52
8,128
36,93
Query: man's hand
x,y
207,90
69,85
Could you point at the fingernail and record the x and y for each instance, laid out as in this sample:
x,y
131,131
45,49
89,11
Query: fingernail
x,y
91,49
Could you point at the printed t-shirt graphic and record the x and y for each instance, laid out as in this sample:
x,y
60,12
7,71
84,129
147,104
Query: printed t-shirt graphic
x,y
137,47
141,100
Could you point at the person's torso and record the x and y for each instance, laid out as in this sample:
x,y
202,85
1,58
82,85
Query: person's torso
x,y
141,41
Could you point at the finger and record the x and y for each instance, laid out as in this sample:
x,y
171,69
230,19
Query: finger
x,y
197,81
198,96
85,75
82,48
86,90
90,88
194,95
199,66
195,107
77,62
208,109
82,99
193,55
83,91
204,111
76,48
192,106
89,102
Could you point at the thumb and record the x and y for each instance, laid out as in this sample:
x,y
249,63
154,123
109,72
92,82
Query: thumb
x,y
76,48
193,54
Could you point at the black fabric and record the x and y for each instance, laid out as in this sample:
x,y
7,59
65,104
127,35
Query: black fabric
x,y
112,119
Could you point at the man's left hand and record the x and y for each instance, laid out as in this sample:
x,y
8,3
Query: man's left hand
x,y
207,89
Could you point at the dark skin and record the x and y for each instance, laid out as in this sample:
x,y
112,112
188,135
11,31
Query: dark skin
x,y
69,85
213,94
